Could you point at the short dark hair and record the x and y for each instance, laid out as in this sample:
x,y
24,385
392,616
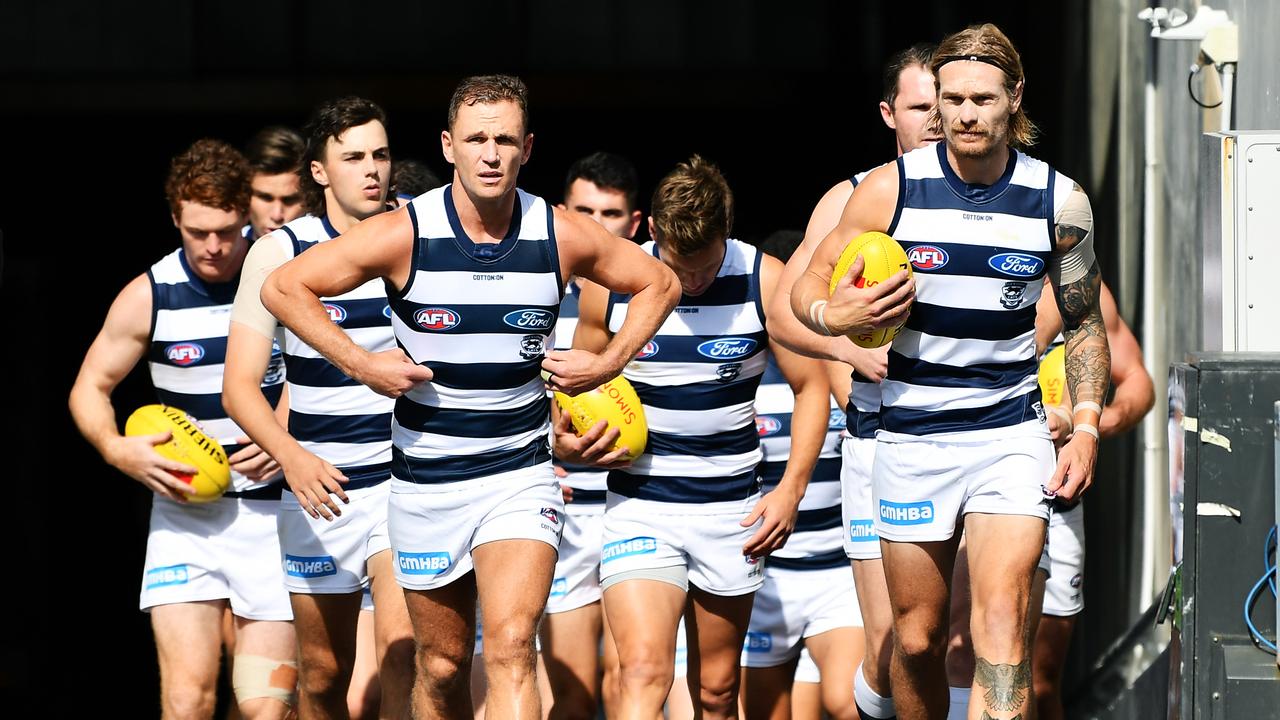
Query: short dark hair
x,y
329,120
692,207
490,89
412,178
275,150
781,243
210,172
917,55
606,171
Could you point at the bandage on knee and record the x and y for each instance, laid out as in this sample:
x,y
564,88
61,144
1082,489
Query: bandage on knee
x,y
255,676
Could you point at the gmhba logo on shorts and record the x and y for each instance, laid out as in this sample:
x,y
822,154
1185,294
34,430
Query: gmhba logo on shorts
x,y
427,563
529,319
917,513
862,531
166,576
309,567
727,348
628,547
757,641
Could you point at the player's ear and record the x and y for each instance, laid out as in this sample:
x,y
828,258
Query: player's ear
x,y
886,114
636,216
1015,100
653,230
446,146
527,152
318,174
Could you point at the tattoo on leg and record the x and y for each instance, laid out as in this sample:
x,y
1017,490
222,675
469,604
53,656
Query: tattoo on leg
x,y
1006,685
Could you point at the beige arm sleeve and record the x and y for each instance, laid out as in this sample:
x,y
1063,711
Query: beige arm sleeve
x,y
265,255
1075,263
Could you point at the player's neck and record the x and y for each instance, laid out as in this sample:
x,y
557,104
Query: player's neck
x,y
486,220
339,217
984,170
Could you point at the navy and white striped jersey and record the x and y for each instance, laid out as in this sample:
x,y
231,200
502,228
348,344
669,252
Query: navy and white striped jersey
x,y
337,418
816,542
864,395
966,359
190,319
480,316
589,484
697,382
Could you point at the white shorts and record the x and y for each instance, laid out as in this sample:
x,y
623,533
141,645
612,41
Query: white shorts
x,y
324,557
704,538
1064,592
434,527
921,487
210,551
806,669
858,455
794,605
577,579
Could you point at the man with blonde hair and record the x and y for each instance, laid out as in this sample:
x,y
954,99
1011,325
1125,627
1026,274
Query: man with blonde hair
x,y
963,434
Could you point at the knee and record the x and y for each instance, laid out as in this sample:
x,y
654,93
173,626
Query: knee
x,y
189,701
642,668
322,674
509,646
718,699
837,700
920,642
441,671
1002,623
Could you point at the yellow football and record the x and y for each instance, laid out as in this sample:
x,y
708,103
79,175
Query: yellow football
x,y
1053,377
882,258
189,445
615,402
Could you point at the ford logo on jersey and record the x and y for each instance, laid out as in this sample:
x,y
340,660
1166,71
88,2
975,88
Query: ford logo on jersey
x,y
916,513
309,567
427,563
649,350
836,420
184,354
927,257
437,318
529,319
731,347
1016,264
337,313
767,425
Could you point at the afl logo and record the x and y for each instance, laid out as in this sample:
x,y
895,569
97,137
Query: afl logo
x,y
649,350
1016,264
731,347
927,257
184,354
337,313
436,319
529,319
767,425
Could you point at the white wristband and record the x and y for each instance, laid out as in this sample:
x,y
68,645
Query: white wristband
x,y
1087,429
1087,405
817,315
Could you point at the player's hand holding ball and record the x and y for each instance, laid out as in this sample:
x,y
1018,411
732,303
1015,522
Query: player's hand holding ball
x,y
391,373
597,447
166,449
136,457
871,291
573,372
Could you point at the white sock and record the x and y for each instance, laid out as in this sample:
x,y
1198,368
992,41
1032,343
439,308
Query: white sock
x,y
868,701
959,703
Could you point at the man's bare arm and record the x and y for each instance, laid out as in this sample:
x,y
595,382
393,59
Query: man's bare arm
x,y
1134,394
851,308
119,346
380,247
591,252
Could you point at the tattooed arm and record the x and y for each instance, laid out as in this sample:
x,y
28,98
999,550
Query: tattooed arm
x,y
1077,285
